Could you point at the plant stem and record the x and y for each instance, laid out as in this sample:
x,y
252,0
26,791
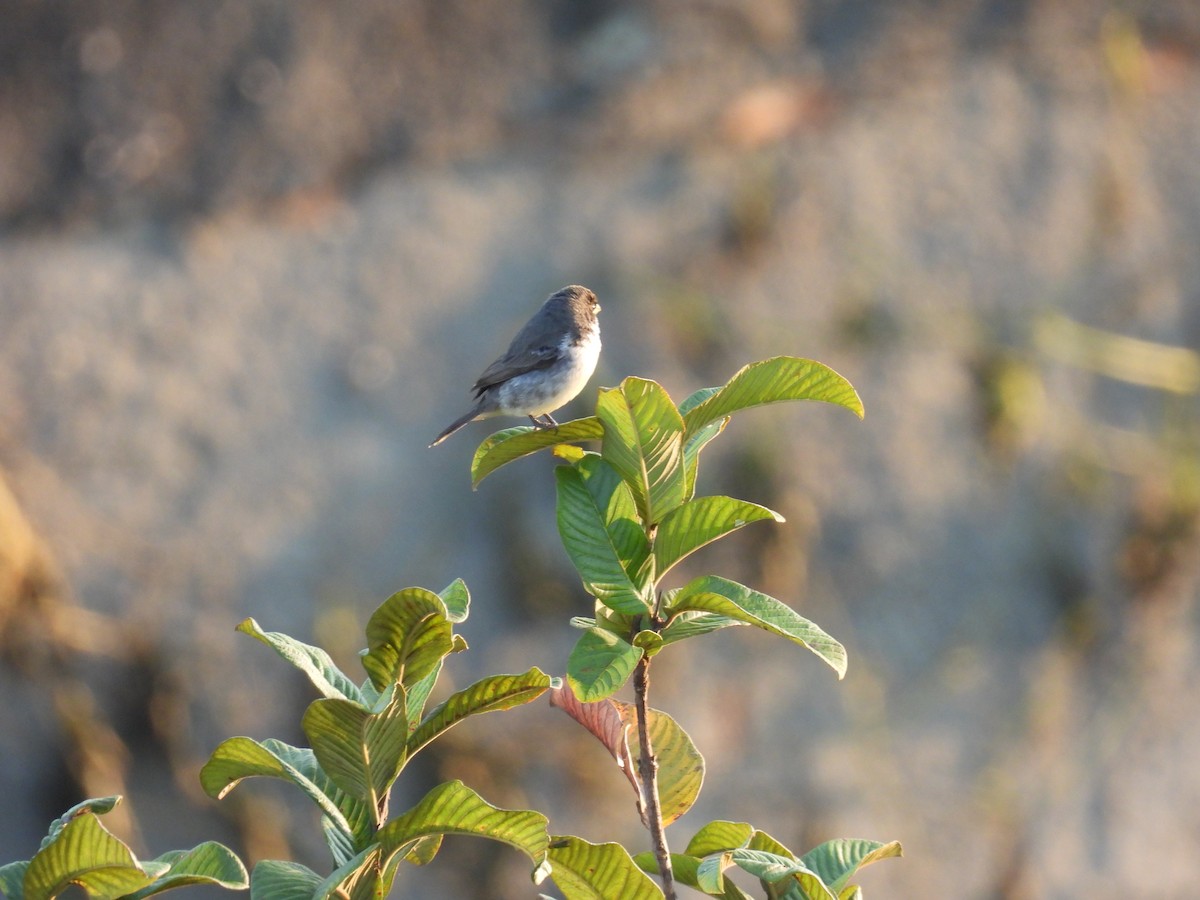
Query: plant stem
x,y
648,775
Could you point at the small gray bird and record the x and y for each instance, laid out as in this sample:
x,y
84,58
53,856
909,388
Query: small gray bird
x,y
545,366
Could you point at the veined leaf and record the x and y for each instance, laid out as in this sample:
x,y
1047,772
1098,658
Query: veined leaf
x,y
208,863
453,808
365,877
416,697
693,624
598,523
275,879
511,444
722,597
763,841
680,765
643,441
312,661
361,751
719,835
765,866
689,527
407,637
85,853
96,805
243,757
600,664
837,861
12,879
614,724
692,445
457,600
774,381
684,867
586,871
495,692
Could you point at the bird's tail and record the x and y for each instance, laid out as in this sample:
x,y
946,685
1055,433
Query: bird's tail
x,y
455,425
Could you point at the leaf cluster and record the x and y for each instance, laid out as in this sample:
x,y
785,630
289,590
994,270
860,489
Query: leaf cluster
x,y
79,850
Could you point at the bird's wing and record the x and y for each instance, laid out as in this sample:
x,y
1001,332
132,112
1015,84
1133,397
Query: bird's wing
x,y
511,365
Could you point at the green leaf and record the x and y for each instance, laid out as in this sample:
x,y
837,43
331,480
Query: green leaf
x,y
96,805
312,661
274,879
684,869
692,624
598,523
586,871
243,757
774,381
513,443
680,765
495,692
457,599
719,835
407,637
600,664
837,861
728,598
643,441
416,697
453,808
763,841
689,527
365,877
696,398
84,853
207,863
362,752
765,866
692,445
12,879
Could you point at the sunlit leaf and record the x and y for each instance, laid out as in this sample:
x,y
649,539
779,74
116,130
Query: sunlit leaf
x,y
773,869
280,880
85,853
453,808
312,661
774,381
243,757
689,527
604,719
643,441
719,835
684,868
493,693
692,624
722,597
586,871
208,863
362,752
457,599
598,523
600,664
837,861
511,444
407,637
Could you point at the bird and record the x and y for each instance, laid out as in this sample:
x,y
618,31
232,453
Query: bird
x,y
546,365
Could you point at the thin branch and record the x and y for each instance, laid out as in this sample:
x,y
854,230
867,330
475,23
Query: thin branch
x,y
648,774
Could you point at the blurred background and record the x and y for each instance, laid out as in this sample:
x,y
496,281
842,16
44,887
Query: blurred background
x,y
253,253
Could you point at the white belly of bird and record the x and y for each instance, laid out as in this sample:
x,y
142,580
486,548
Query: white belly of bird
x,y
544,394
